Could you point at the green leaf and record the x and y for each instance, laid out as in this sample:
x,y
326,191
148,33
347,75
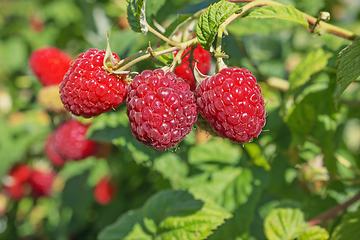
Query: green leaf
x,y
250,26
168,214
284,224
16,141
314,233
301,119
136,15
256,155
288,13
288,223
171,167
314,62
348,228
215,150
210,21
127,227
250,185
348,69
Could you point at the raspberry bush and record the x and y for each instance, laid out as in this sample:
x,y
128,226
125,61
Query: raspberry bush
x,y
160,119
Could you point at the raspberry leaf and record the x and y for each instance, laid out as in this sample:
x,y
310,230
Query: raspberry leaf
x,y
348,63
288,13
136,15
248,188
314,62
210,21
348,228
215,150
168,214
287,223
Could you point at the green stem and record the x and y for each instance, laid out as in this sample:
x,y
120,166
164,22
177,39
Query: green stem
x,y
183,46
148,55
159,35
311,20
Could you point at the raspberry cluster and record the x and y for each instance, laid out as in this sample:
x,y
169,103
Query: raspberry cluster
x,y
87,90
232,104
161,108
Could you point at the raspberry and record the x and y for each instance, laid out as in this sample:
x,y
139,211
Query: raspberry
x,y
161,108
202,57
49,64
21,173
70,143
15,183
51,152
41,179
87,89
231,102
104,191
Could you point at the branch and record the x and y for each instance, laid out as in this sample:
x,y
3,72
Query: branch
x,y
311,20
333,212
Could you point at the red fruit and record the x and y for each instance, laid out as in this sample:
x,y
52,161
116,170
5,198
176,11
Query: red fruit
x,y
41,180
203,59
104,191
49,64
231,102
52,153
15,190
161,109
15,184
87,89
70,143
21,173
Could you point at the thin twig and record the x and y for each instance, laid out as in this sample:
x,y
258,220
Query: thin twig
x,y
335,211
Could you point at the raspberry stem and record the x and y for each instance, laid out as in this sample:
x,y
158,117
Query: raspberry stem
x,y
326,27
159,35
148,55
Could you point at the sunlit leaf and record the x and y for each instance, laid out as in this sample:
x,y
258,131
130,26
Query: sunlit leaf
x,y
288,13
210,21
168,215
348,63
314,62
288,223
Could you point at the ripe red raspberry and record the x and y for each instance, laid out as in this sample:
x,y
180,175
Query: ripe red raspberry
x,y
50,64
42,179
104,191
15,183
87,89
70,143
202,57
231,102
52,153
161,109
